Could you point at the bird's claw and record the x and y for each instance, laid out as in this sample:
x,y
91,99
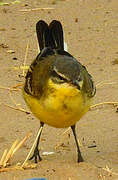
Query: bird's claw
x,y
36,155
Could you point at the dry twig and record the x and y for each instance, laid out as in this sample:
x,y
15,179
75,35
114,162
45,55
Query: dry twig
x,y
35,9
102,103
17,108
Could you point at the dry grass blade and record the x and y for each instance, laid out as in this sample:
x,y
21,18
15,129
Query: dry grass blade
x,y
105,83
110,171
22,142
11,169
18,85
18,167
3,3
12,99
26,53
21,67
9,154
39,132
29,166
13,88
67,130
17,108
35,9
3,157
99,104
7,88
61,141
69,178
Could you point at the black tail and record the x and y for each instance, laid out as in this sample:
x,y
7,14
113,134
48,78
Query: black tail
x,y
50,36
42,31
56,32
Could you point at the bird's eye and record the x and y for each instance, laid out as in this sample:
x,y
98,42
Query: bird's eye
x,y
57,78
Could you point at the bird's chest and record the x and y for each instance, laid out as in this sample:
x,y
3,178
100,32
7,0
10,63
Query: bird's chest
x,y
60,108
62,100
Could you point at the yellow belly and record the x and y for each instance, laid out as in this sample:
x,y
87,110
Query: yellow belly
x,y
60,108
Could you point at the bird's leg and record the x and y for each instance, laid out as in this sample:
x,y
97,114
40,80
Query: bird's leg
x,y
80,159
36,153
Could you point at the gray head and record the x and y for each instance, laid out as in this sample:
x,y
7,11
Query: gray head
x,y
66,69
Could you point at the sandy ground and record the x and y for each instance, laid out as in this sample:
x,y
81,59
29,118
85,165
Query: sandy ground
x,y
91,32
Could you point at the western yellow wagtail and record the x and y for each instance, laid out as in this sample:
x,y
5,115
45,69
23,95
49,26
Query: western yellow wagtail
x,y
58,89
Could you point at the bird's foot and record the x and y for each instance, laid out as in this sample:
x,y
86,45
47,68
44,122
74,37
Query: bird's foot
x,y
80,159
36,155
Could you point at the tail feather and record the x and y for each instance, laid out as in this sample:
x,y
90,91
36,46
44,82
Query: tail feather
x,y
42,31
50,36
56,32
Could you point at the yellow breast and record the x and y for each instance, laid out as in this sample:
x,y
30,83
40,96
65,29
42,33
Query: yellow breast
x,y
61,105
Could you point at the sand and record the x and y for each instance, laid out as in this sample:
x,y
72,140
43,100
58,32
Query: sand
x,y
90,29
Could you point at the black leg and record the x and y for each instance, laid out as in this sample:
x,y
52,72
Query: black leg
x,y
80,159
36,153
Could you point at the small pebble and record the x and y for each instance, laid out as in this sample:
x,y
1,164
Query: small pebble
x,y
76,19
117,110
14,58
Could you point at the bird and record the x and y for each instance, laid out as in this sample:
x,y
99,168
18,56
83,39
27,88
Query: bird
x,y
58,89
